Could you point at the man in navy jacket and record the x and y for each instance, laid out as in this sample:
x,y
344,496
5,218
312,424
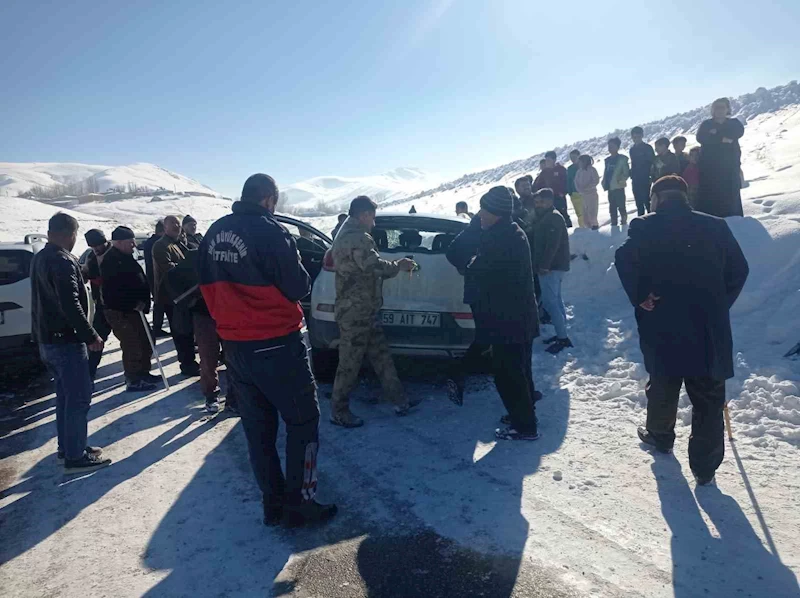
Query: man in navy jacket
x,y
682,271
252,281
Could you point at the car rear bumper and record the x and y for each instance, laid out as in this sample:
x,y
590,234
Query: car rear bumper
x,y
450,340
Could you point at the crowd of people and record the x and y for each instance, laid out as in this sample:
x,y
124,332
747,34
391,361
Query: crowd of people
x,y
235,295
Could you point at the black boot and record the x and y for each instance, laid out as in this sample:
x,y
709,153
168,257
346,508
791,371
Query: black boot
x,y
647,438
306,513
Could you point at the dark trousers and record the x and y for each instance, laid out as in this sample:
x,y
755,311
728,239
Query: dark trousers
x,y
158,317
180,324
273,377
100,325
136,350
641,194
616,206
511,365
468,363
560,204
205,331
68,363
707,442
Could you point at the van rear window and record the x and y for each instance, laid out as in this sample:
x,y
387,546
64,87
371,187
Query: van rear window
x,y
15,265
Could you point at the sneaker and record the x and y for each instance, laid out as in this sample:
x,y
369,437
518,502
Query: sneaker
x,y
90,450
308,512
139,386
190,369
346,420
148,377
212,405
88,462
455,391
551,340
704,480
510,433
558,346
648,439
402,410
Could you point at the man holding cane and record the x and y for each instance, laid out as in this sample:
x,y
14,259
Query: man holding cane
x,y
682,271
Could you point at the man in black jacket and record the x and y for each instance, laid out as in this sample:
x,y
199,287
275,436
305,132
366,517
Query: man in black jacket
x,y
97,242
59,304
552,258
505,310
125,294
642,157
682,271
158,308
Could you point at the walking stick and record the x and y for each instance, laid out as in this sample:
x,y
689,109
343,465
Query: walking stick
x,y
728,422
153,347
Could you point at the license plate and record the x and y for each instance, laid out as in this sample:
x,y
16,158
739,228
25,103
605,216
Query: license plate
x,y
411,318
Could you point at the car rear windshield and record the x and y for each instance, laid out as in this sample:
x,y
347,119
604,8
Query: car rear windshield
x,y
15,265
420,235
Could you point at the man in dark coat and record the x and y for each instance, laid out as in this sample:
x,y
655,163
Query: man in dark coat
x,y
720,191
642,157
189,226
504,309
125,294
158,308
683,271
99,245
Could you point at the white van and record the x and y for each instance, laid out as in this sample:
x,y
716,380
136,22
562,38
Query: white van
x,y
15,294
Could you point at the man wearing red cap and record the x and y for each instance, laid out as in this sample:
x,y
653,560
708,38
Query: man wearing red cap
x,y
682,271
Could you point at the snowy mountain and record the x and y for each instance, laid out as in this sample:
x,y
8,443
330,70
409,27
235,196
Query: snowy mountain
x,y
18,178
333,193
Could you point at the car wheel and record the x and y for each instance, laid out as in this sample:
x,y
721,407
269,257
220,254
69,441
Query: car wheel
x,y
324,363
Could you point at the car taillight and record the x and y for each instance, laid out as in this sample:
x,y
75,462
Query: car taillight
x,y
325,307
327,261
462,316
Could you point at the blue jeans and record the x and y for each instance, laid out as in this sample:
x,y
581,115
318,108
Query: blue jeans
x,y
552,302
68,363
272,378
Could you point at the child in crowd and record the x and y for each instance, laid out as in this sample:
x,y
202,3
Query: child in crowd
x,y
665,163
679,145
615,179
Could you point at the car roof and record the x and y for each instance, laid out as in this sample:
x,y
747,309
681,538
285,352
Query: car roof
x,y
32,247
427,216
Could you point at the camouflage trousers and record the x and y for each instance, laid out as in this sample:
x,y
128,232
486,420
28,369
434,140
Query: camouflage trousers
x,y
356,339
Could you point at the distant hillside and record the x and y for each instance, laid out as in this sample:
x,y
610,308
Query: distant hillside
x,y
75,179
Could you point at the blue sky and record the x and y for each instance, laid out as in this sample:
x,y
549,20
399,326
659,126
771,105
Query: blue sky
x,y
217,91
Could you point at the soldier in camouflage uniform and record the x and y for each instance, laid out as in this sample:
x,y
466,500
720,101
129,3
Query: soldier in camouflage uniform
x,y
360,272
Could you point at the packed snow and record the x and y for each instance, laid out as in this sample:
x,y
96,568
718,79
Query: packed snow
x,y
178,512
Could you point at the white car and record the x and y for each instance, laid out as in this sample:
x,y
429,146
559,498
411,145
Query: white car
x,y
15,294
423,312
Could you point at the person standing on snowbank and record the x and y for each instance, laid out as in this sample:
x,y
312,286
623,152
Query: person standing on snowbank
x,y
252,280
720,191
683,271
642,156
504,309
615,179
59,326
586,181
554,176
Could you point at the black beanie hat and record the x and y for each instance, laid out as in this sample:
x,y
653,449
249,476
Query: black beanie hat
x,y
95,237
498,201
122,233
188,218
671,182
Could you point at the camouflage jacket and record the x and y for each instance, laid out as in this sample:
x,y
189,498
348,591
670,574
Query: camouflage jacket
x,y
360,272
